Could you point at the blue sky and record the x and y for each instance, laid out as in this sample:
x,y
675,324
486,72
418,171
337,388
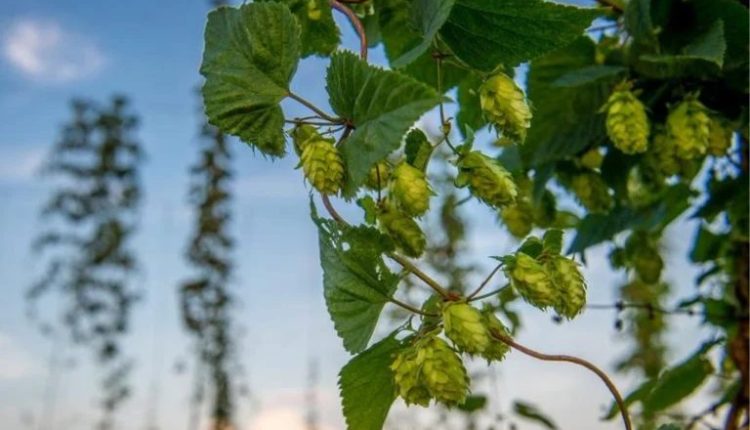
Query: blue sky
x,y
56,49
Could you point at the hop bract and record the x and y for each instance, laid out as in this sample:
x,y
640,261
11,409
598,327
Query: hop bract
x,y
592,192
407,369
322,165
627,122
569,284
504,104
378,176
410,189
487,179
463,325
403,230
531,280
443,372
496,350
688,126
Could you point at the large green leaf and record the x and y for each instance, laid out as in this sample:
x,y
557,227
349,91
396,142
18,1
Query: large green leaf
x,y
532,413
429,16
356,281
485,33
319,33
381,104
367,387
566,118
638,21
250,56
636,395
677,383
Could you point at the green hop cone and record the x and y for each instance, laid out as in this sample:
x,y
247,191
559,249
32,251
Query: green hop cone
x,y
592,192
504,104
301,134
443,372
322,165
531,280
403,230
569,284
406,374
592,159
719,137
463,325
688,126
378,176
518,219
627,122
496,350
313,10
487,179
410,189
663,156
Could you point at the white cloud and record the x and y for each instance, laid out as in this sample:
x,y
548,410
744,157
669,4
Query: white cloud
x,y
45,51
20,165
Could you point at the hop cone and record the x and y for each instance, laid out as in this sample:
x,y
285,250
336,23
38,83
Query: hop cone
x,y
407,369
505,105
463,325
410,189
688,126
518,218
486,179
663,156
592,159
301,134
496,350
627,122
403,230
570,286
719,137
592,192
378,176
313,10
531,280
323,165
443,372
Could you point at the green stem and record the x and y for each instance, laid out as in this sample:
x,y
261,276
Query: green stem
x,y
410,308
485,282
315,109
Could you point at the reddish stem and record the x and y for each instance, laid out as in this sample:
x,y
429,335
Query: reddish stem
x,y
356,23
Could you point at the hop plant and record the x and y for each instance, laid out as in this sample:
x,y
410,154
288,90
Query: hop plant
x,y
403,230
464,326
430,369
496,350
570,286
322,165
688,126
719,137
486,178
592,159
530,279
627,122
409,187
518,218
378,176
505,105
592,192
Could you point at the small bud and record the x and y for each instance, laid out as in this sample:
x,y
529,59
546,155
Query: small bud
x,y
463,325
378,176
487,179
531,280
313,10
688,126
410,189
322,165
627,122
592,159
403,230
505,105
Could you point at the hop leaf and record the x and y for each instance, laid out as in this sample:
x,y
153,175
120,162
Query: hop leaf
x,y
643,256
569,284
531,280
430,369
505,105
486,179
496,350
379,175
410,189
464,326
719,137
322,165
688,125
592,192
627,122
403,230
